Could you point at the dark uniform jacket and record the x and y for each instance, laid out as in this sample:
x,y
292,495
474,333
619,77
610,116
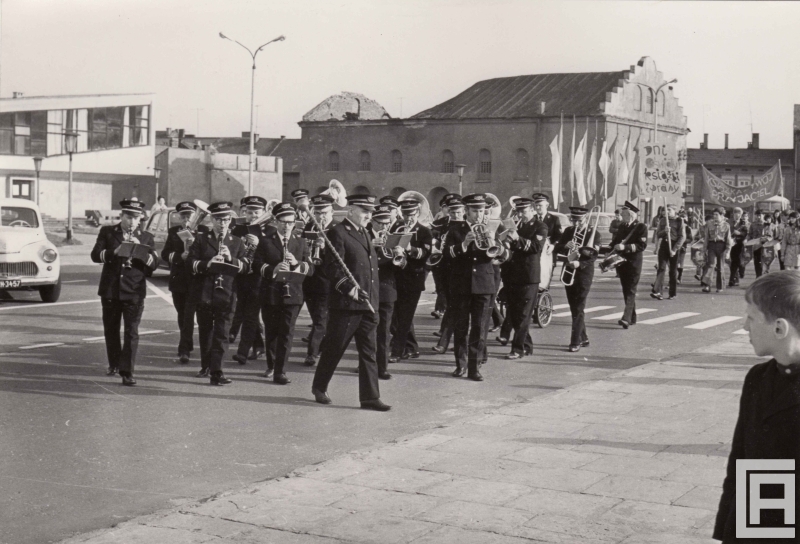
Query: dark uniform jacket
x,y
586,258
470,271
768,428
386,273
204,248
553,227
356,250
180,276
523,268
269,254
635,244
117,281
318,282
250,282
412,277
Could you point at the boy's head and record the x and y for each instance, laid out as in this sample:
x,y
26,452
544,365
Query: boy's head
x,y
773,315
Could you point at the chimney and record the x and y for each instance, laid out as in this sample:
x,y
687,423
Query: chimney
x,y
755,140
181,133
704,145
726,141
542,106
16,94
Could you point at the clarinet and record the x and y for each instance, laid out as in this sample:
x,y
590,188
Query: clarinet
x,y
220,240
286,289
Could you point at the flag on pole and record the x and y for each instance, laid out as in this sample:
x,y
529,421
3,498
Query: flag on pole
x,y
604,163
591,173
570,186
579,180
555,169
622,164
635,190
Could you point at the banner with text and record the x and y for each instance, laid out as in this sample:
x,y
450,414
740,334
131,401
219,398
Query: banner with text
x,y
720,192
660,170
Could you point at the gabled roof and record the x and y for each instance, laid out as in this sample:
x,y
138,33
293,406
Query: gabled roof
x,y
521,96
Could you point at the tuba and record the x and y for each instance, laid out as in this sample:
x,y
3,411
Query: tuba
x,y
579,243
425,215
337,191
200,214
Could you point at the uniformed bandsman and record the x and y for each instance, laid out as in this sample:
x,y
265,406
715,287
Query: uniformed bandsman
x,y
248,286
315,287
215,259
387,267
521,274
472,284
391,201
455,211
238,314
302,202
410,279
352,305
283,261
581,261
123,286
438,230
671,226
176,252
629,242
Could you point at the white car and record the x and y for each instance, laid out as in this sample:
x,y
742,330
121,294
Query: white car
x,y
28,260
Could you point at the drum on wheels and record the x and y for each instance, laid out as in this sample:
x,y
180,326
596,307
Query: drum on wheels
x,y
544,309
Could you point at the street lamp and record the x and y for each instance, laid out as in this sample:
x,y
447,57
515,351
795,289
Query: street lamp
x,y
157,176
71,146
460,171
655,105
37,164
252,103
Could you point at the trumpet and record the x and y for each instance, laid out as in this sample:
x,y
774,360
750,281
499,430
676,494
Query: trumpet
x,y
399,257
484,242
437,254
579,243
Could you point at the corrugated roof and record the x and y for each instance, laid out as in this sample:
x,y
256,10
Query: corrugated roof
x,y
741,157
520,96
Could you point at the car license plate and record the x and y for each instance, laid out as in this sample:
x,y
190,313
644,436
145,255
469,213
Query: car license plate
x,y
10,284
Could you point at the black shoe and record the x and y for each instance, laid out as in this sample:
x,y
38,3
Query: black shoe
x,y
624,323
255,354
128,380
412,355
672,297
384,376
393,360
320,396
527,352
310,361
584,344
707,289
514,356
241,359
657,296
376,405
184,358
231,338
697,277
475,376
459,371
439,349
111,371
436,315
573,348
305,340
494,329
202,374
281,379
220,379
437,334
269,373
502,341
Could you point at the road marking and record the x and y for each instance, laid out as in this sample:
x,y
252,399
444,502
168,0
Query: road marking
x,y
740,331
618,315
44,305
159,293
74,281
50,345
713,322
149,332
560,306
425,302
93,339
666,318
586,311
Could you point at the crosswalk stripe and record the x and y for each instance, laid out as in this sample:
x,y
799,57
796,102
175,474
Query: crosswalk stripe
x,y
740,331
560,306
714,322
586,311
50,345
618,315
667,318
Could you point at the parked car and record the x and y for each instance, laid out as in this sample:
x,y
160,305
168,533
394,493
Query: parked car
x,y
28,260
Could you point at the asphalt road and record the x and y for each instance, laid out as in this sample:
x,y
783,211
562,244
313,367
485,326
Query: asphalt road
x,y
78,451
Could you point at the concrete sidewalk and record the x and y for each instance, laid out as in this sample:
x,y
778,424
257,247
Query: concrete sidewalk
x,y
636,458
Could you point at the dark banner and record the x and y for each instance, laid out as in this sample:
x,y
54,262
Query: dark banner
x,y
718,191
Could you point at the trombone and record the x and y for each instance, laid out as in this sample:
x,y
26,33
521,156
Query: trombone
x,y
579,244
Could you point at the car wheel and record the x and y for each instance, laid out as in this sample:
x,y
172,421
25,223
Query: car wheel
x,y
51,293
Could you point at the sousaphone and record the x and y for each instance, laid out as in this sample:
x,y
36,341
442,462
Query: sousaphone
x,y
425,215
337,191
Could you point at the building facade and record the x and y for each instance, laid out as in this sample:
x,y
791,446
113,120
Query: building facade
x,y
501,130
114,159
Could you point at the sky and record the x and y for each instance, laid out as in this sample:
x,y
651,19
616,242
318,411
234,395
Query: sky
x,y
408,55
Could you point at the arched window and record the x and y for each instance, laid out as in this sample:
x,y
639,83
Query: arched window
x,y
397,161
363,161
661,103
637,98
522,168
484,164
448,162
649,101
333,161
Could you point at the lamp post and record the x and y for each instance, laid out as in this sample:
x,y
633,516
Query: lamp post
x,y
71,146
157,176
655,105
252,103
37,164
460,171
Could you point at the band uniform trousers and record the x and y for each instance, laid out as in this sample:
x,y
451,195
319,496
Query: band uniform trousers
x,y
279,321
404,339
385,312
249,304
521,303
716,256
441,289
318,310
629,275
577,293
129,312
665,260
343,325
213,324
475,309
737,269
186,310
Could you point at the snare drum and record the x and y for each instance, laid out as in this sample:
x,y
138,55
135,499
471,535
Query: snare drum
x,y
611,262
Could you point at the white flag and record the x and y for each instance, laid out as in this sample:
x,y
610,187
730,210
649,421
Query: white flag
x,y
555,170
591,173
622,163
604,163
580,182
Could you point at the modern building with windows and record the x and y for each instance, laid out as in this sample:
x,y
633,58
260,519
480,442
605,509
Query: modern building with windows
x,y
500,129
113,160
